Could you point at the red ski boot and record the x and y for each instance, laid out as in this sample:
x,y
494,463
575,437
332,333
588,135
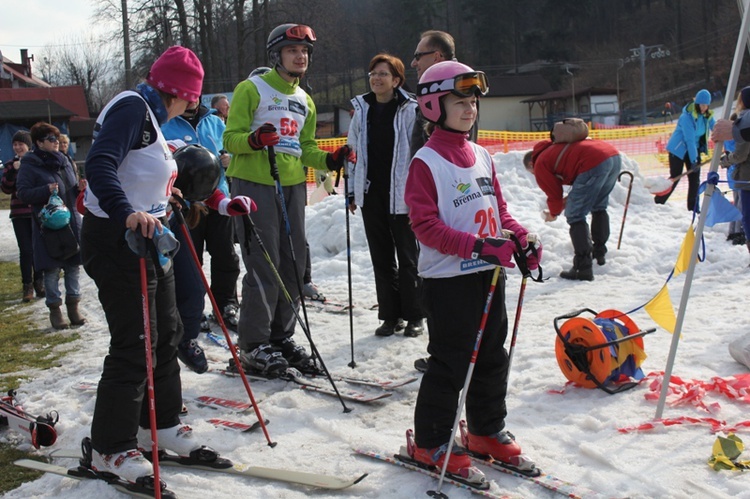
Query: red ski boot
x,y
459,463
499,449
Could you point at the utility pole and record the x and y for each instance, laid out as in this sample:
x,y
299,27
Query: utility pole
x,y
641,52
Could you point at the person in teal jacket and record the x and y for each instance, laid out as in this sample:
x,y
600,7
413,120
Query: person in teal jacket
x,y
273,110
212,231
688,141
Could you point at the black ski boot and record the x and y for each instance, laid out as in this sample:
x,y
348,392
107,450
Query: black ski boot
x,y
581,271
600,235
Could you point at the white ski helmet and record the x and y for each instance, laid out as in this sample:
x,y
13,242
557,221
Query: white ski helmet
x,y
443,78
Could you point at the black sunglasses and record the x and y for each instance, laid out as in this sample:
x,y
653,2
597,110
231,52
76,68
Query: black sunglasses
x,y
418,55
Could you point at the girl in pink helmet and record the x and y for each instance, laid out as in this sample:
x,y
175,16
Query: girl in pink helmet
x,y
457,212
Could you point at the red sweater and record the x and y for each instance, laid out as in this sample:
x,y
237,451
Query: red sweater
x,y
421,198
579,157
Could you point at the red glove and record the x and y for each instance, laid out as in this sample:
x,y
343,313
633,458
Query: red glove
x,y
264,136
238,205
495,250
335,160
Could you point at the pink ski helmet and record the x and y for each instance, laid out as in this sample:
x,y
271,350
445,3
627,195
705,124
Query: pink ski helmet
x,y
443,78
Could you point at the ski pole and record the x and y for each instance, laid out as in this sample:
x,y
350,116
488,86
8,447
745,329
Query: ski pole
x,y
217,313
351,364
627,203
520,257
249,232
462,400
149,368
288,226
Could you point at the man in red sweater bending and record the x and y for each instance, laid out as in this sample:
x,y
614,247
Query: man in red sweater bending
x,y
591,167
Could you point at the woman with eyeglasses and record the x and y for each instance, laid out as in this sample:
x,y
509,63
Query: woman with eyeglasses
x,y
380,134
43,171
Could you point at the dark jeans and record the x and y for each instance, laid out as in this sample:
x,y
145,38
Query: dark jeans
x,y
454,308
120,407
22,227
190,291
389,236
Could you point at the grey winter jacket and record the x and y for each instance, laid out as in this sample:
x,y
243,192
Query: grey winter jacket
x,y
741,154
403,124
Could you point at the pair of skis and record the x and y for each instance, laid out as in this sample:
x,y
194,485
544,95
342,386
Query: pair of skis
x,y
308,382
39,429
224,466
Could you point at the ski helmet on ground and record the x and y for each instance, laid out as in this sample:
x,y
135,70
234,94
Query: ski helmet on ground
x,y
198,172
288,34
443,78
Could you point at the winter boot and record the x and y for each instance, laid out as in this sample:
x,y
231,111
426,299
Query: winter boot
x,y
501,446
311,291
459,462
231,316
129,465
581,271
71,304
39,288
599,235
296,355
28,292
387,328
414,328
266,359
191,354
178,439
56,317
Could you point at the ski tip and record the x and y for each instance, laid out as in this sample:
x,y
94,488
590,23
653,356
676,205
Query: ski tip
x,y
360,478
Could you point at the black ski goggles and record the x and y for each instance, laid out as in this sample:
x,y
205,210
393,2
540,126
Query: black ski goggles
x,y
463,85
301,32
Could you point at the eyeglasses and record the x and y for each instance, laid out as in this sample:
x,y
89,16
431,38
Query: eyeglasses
x,y
300,32
379,74
52,139
463,85
418,55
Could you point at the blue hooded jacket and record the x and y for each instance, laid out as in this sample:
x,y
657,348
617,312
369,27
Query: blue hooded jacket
x,y
691,128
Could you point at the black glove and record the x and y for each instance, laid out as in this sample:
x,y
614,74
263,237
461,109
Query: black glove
x,y
335,160
264,136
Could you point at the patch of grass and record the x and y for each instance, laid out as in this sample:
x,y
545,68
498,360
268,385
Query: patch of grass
x,y
23,347
12,476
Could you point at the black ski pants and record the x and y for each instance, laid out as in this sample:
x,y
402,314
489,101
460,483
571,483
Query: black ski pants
x,y
454,308
397,285
676,166
120,407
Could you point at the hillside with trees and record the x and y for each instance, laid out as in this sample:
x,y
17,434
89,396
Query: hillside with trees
x,y
579,42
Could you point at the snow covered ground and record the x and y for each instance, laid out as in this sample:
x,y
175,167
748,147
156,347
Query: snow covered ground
x,y
573,435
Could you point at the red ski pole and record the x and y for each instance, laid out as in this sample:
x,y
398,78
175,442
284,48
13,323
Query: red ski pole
x,y
220,320
150,375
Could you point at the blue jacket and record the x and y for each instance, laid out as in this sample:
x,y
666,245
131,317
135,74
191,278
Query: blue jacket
x,y
38,170
208,134
691,134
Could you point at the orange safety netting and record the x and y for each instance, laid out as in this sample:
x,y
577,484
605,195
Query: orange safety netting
x,y
644,144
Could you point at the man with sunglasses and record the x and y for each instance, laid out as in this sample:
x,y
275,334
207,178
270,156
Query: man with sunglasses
x,y
272,110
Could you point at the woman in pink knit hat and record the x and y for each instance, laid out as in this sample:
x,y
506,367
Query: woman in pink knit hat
x,y
131,172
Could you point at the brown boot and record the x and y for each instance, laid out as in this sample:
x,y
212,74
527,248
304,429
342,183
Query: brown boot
x,y
76,319
56,317
28,292
39,288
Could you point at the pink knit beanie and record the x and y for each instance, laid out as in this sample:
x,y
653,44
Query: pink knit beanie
x,y
178,72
